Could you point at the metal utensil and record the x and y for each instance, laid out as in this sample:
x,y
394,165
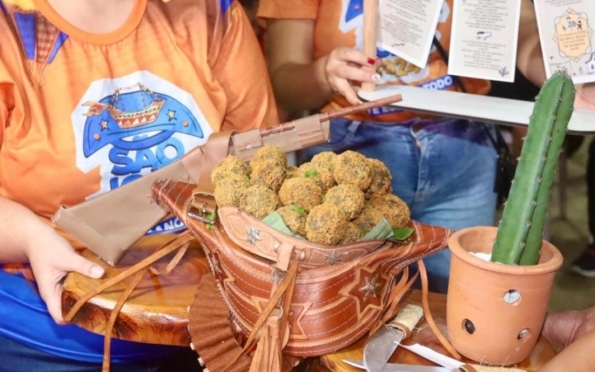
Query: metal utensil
x,y
385,341
394,367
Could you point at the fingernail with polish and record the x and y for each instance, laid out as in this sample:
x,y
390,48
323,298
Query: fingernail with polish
x,y
371,61
376,77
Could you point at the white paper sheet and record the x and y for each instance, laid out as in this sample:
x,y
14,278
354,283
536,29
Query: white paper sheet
x,y
484,39
567,37
407,27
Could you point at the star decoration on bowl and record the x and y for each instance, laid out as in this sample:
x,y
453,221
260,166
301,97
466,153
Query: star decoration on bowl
x,y
253,235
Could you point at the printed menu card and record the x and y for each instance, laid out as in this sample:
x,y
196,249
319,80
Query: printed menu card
x,y
407,28
566,35
484,39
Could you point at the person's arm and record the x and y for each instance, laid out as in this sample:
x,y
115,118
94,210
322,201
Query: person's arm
x,y
529,56
299,81
574,333
24,237
238,65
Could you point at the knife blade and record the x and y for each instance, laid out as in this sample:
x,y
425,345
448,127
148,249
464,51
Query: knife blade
x,y
385,341
395,367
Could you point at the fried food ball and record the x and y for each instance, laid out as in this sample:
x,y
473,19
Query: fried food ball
x,y
259,201
394,209
324,159
368,218
381,179
292,172
229,195
352,234
325,225
293,219
268,174
322,176
231,179
230,164
352,167
348,198
270,155
300,191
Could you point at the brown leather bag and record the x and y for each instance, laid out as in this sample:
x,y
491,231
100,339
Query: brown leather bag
x,y
285,293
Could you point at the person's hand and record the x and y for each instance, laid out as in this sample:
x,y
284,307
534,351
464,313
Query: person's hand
x,y
51,258
346,64
563,328
585,97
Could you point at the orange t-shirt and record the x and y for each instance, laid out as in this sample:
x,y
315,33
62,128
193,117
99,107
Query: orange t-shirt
x,y
340,23
82,114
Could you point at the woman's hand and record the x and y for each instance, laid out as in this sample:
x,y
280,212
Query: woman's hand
x,y
52,258
585,97
344,65
563,328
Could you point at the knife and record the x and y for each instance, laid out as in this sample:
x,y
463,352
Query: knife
x,y
385,341
394,367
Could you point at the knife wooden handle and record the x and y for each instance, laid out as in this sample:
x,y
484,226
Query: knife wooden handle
x,y
407,318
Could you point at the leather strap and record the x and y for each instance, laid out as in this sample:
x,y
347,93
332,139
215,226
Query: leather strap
x,y
428,314
161,252
114,315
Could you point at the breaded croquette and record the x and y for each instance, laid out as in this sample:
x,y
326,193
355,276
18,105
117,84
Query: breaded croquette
x,y
292,172
352,167
267,174
324,159
300,191
381,179
394,209
352,233
294,218
348,198
230,164
271,155
325,225
322,176
368,218
228,195
259,201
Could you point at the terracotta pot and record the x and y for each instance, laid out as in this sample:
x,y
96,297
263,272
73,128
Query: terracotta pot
x,y
495,312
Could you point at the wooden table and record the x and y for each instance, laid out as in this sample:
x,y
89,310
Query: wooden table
x,y
156,312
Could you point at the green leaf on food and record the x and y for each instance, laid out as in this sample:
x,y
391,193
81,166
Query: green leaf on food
x,y
298,209
402,233
311,173
247,176
210,227
212,216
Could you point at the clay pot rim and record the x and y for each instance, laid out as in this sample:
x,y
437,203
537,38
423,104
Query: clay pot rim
x,y
553,264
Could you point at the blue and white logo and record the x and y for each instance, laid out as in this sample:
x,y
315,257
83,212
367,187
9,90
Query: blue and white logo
x,y
133,125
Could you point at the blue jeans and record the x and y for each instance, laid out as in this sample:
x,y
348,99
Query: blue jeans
x,y
444,170
15,357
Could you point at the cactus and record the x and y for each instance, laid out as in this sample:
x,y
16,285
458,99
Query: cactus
x,y
520,231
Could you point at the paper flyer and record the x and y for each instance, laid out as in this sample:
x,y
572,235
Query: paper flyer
x,y
566,35
484,39
407,27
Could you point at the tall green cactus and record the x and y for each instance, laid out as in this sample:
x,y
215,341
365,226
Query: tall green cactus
x,y
520,231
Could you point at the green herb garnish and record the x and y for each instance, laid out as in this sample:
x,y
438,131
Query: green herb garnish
x,y
402,233
311,173
297,209
211,216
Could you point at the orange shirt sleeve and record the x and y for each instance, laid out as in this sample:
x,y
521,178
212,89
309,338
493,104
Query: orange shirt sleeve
x,y
288,9
241,70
